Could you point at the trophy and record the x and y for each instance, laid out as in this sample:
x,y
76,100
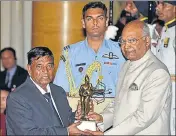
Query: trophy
x,y
86,92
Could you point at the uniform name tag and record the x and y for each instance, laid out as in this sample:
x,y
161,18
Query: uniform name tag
x,y
110,63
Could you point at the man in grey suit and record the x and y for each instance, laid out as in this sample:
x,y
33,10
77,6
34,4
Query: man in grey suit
x,y
38,107
142,106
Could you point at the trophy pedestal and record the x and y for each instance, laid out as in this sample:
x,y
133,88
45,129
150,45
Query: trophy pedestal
x,y
90,125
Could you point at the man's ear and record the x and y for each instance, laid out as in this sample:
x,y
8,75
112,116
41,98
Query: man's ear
x,y
83,23
29,69
107,21
148,41
174,10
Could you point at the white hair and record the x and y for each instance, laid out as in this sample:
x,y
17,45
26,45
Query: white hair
x,y
146,31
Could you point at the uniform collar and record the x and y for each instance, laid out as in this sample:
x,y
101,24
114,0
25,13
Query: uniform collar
x,y
145,19
104,45
170,23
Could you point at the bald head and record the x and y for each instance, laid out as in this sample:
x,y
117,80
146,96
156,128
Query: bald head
x,y
138,27
136,39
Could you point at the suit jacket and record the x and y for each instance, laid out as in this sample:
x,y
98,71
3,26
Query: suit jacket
x,y
28,112
18,78
142,106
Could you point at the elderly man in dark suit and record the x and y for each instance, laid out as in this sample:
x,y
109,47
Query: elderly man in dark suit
x,y
13,75
38,107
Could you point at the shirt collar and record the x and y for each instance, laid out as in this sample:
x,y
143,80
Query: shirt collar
x,y
12,71
41,89
103,45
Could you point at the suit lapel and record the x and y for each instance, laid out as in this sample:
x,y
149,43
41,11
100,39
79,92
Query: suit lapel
x,y
40,101
36,92
59,104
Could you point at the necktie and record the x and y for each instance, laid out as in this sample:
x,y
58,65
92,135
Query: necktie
x,y
7,80
48,97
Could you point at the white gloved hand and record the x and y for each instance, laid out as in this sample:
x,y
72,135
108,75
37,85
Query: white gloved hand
x,y
111,32
153,33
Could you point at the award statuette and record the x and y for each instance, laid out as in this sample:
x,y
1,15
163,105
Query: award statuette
x,y
86,91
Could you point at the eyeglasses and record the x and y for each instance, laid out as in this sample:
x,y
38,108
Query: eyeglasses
x,y
132,41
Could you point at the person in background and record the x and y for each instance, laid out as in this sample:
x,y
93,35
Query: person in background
x,y
39,107
158,29
125,17
143,102
140,10
4,91
159,25
97,57
137,10
13,75
166,49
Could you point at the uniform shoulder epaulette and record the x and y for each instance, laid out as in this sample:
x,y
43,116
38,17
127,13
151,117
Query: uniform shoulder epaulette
x,y
62,58
67,47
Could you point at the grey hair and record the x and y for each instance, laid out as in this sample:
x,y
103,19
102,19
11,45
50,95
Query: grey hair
x,y
146,31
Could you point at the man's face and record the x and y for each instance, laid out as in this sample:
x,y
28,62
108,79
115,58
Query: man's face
x,y
3,95
8,59
165,11
95,22
136,47
41,70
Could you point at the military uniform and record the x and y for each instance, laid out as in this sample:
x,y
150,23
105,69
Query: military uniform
x,y
79,59
165,51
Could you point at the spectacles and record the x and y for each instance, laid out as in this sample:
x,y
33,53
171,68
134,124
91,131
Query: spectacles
x,y
132,41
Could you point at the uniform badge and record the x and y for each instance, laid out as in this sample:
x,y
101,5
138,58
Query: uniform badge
x,y
133,87
80,69
166,42
67,47
110,56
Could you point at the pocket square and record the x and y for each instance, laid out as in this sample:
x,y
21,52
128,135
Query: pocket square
x,y
133,87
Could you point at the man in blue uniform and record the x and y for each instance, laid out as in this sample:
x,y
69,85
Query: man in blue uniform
x,y
100,59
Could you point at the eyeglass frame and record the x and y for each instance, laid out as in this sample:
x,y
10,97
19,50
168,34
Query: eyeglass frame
x,y
130,39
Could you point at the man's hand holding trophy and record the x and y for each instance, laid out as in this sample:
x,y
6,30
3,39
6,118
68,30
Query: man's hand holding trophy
x,y
85,108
